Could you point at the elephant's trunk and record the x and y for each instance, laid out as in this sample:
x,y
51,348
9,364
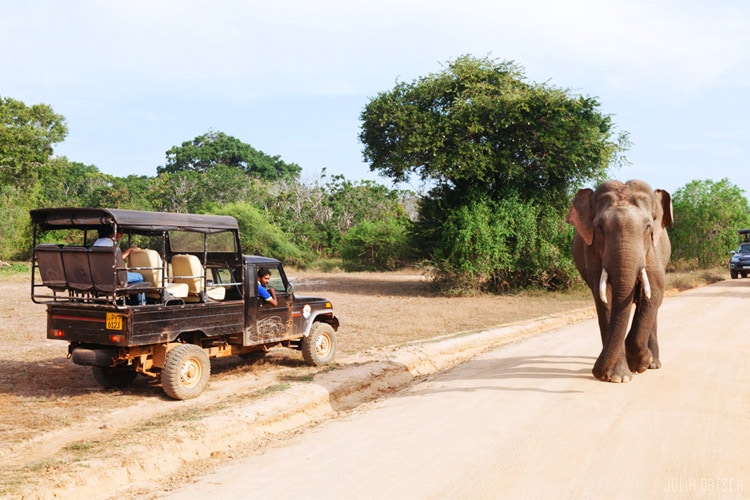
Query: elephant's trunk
x,y
603,284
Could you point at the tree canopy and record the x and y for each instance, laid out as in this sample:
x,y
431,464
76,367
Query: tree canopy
x,y
478,125
27,134
217,148
707,217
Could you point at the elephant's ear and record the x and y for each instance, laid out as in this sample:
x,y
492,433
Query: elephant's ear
x,y
664,199
581,215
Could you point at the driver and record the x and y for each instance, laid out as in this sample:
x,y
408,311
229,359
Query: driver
x,y
264,291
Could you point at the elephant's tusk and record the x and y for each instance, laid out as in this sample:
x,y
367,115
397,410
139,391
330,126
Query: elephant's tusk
x,y
603,286
646,284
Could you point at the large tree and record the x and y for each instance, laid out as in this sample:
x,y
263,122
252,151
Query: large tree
x,y
27,134
480,133
479,125
217,148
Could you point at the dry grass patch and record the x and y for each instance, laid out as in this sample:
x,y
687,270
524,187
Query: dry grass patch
x,y
686,280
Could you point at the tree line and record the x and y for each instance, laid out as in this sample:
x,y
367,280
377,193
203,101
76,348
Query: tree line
x,y
502,157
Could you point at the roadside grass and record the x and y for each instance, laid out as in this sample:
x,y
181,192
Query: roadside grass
x,y
686,280
12,270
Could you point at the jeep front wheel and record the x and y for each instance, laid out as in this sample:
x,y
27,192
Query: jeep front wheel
x,y
319,347
186,371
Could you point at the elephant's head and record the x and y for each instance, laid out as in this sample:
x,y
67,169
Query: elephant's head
x,y
623,224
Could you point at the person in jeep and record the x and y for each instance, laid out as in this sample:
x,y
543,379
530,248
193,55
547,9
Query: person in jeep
x,y
264,292
108,237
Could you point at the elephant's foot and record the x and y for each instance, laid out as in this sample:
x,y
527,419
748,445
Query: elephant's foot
x,y
640,361
655,364
617,373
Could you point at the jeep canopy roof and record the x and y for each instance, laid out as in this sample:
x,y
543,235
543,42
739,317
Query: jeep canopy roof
x,y
130,220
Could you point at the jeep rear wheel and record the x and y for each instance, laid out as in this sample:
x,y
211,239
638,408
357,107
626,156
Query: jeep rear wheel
x,y
319,347
186,371
110,377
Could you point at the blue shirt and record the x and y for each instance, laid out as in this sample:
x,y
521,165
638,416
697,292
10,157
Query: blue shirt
x,y
263,293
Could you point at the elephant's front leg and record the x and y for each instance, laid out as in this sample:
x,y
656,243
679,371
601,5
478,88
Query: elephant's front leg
x,y
612,364
612,368
641,346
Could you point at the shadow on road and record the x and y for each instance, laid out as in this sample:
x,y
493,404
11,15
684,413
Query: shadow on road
x,y
520,368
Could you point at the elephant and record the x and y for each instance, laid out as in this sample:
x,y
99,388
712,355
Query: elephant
x,y
621,248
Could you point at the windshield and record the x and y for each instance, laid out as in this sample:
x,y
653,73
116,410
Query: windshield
x,y
744,248
188,242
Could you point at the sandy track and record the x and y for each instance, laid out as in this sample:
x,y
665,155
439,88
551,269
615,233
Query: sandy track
x,y
529,421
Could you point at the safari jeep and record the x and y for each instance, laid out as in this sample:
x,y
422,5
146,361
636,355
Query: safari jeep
x,y
198,299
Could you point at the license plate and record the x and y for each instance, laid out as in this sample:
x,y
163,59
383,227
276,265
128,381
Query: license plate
x,y
114,321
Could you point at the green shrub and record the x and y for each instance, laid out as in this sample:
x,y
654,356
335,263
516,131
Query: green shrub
x,y
496,246
15,232
14,268
374,246
260,237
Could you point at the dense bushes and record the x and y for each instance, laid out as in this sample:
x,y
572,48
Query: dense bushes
x,y
375,246
499,245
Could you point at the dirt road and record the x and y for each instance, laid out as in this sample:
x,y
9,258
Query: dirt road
x,y
529,421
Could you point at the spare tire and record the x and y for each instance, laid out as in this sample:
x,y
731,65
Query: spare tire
x,y
93,357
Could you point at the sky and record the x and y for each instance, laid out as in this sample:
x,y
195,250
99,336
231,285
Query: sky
x,y
291,77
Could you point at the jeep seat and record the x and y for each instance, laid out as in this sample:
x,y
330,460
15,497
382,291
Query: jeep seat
x,y
50,261
188,269
148,262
